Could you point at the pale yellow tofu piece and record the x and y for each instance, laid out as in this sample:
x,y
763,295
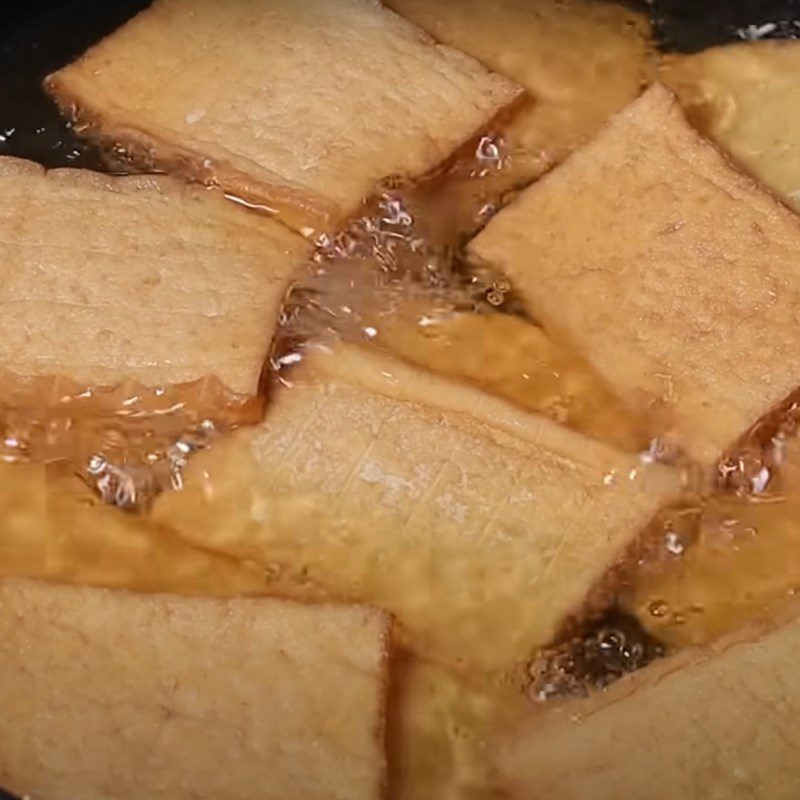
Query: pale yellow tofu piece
x,y
579,60
106,279
114,694
299,106
746,97
513,359
674,275
718,723
479,526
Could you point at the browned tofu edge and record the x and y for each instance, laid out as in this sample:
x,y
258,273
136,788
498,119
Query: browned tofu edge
x,y
295,208
298,210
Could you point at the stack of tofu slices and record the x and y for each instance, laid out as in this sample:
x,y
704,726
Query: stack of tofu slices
x,y
355,576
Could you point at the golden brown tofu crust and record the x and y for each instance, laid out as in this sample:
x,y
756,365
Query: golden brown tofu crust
x,y
579,61
745,96
509,357
54,528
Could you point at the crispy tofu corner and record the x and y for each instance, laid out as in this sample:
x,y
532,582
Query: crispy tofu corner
x,y
745,96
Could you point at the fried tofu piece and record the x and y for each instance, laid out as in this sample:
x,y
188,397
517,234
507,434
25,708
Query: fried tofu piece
x,y
143,278
299,106
114,694
98,545
745,96
480,527
579,60
674,275
717,723
517,361
53,528
436,729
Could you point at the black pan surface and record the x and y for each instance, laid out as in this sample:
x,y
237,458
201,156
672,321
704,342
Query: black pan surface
x,y
39,36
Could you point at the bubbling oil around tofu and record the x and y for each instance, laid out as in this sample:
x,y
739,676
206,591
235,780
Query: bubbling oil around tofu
x,y
744,555
401,264
689,579
755,484
128,443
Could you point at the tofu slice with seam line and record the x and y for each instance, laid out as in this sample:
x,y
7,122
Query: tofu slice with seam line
x,y
673,274
718,723
479,526
106,279
745,96
299,106
114,694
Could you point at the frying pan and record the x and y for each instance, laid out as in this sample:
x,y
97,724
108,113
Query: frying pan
x,y
38,36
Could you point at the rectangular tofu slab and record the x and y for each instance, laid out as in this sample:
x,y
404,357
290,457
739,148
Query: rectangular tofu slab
x,y
113,694
481,527
718,723
746,97
674,275
579,60
143,278
299,106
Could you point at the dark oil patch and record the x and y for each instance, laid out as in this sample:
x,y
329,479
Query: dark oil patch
x,y
36,39
593,657
687,26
